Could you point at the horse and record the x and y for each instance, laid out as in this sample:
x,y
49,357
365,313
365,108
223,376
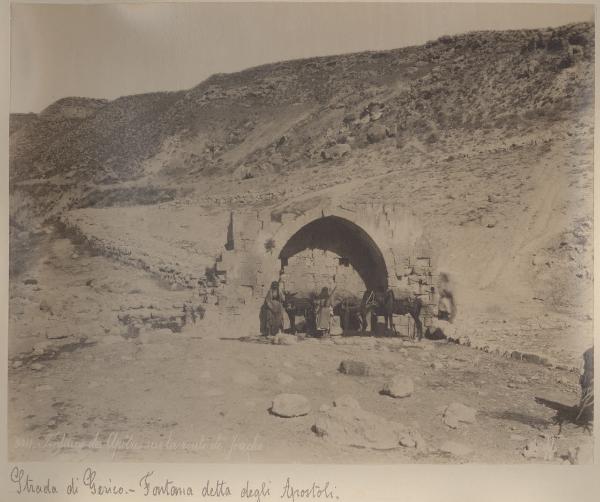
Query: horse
x,y
305,307
385,303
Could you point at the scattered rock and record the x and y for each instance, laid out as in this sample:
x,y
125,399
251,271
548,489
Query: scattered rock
x,y
284,339
290,405
456,413
37,367
41,348
346,401
30,282
535,358
399,386
45,307
464,340
336,151
355,368
489,221
348,426
541,448
377,133
454,448
164,332
56,336
413,439
17,364
43,388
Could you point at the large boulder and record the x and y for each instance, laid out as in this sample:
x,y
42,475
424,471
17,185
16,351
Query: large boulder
x,y
290,405
399,386
352,426
457,413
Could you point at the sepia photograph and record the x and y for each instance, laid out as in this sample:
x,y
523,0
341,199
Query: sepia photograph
x,y
301,233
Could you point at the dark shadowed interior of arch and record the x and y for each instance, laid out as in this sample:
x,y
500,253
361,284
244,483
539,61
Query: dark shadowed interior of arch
x,y
346,239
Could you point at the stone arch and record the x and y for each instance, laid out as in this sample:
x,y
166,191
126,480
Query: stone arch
x,y
369,254
389,236
346,239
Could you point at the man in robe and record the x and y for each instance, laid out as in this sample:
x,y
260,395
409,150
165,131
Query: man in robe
x,y
271,312
324,307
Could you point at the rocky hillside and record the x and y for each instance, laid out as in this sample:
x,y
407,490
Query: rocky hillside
x,y
283,116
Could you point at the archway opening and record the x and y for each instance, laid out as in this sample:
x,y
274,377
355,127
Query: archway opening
x,y
329,246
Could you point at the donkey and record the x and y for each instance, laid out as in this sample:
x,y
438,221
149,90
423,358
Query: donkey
x,y
305,307
386,303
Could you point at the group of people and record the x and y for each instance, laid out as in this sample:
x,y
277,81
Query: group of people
x,y
273,308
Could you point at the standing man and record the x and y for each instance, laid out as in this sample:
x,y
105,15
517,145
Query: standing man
x,y
325,310
271,312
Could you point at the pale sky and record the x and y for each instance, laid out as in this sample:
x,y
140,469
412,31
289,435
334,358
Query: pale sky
x,y
106,51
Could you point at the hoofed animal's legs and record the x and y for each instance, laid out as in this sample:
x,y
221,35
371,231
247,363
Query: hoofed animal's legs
x,y
392,325
363,321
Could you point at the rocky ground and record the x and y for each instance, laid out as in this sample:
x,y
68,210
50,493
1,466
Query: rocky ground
x,y
204,393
